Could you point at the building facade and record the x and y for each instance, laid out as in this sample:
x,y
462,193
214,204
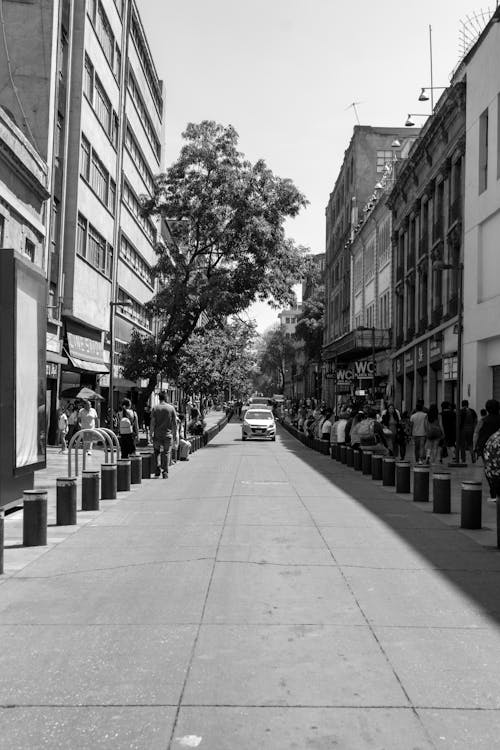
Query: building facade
x,y
365,160
481,344
427,216
101,126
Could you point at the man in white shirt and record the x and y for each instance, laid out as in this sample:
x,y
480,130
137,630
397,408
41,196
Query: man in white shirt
x,y
418,431
88,420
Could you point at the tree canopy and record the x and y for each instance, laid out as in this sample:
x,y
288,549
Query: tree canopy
x,y
276,353
311,321
223,244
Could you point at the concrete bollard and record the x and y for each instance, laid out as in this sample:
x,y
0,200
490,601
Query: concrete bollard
x,y
35,518
402,476
146,465
356,462
377,466
421,484
471,502
90,490
135,470
123,475
388,472
333,451
1,540
441,492
498,524
108,481
66,501
366,461
343,452
349,456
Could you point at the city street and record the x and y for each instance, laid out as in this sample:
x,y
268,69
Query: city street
x,y
263,597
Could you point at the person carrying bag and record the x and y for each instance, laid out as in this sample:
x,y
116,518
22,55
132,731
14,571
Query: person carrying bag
x,y
128,426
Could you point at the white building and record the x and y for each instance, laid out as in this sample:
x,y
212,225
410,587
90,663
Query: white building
x,y
481,344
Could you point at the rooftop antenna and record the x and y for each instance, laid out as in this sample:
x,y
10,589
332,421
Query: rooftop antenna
x,y
352,105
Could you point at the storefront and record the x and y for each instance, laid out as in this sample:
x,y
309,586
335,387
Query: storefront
x,y
85,354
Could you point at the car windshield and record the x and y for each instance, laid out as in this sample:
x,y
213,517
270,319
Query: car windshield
x,y
256,400
258,415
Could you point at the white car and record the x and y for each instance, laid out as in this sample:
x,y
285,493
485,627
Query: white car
x,y
258,422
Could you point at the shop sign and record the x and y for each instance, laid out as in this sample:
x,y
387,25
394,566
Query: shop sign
x,y
421,355
450,368
362,369
435,350
51,369
409,360
85,348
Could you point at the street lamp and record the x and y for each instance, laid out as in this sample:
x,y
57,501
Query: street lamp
x,y
372,329
409,122
112,305
438,265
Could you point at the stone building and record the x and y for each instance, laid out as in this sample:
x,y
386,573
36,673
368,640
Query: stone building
x,y
427,216
369,150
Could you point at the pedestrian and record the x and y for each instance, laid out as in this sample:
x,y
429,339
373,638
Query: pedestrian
x,y
128,427
433,434
491,424
449,424
146,421
62,427
371,431
482,415
72,421
418,431
164,434
326,425
88,420
491,458
404,434
468,422
354,431
391,422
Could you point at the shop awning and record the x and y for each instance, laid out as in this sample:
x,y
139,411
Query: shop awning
x,y
124,384
83,364
57,358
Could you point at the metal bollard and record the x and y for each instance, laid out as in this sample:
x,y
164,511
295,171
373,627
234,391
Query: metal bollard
x,y
388,472
108,481
356,462
377,466
90,490
146,465
498,523
402,476
333,451
441,492
421,484
349,456
343,452
471,501
135,470
1,540
123,475
66,501
366,461
35,518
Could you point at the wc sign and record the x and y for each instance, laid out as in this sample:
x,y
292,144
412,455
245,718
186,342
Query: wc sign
x,y
360,370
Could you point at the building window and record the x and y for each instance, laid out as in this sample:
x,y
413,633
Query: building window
x,y
139,160
143,115
88,79
99,178
132,203
132,258
384,243
383,158
105,35
134,310
81,236
483,151
370,315
146,63
85,158
93,247
29,249
102,106
2,229
370,260
58,146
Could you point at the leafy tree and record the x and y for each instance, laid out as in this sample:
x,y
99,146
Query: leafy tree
x,y
277,351
225,244
310,323
217,359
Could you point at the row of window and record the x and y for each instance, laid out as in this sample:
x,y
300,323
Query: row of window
x,y
132,202
105,35
139,160
130,255
99,100
484,144
134,310
147,67
93,247
143,115
95,173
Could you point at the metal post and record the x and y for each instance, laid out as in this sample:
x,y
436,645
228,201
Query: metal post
x,y
377,459
388,472
441,492
35,518
66,501
357,459
402,477
471,502
135,470
421,484
366,461
90,490
108,481
123,475
146,465
373,364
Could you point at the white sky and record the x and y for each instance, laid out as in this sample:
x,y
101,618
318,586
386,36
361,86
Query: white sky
x,y
283,73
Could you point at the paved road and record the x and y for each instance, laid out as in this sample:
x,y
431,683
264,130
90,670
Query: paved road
x,y
263,597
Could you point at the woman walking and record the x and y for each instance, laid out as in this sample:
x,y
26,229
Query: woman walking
x,y
433,434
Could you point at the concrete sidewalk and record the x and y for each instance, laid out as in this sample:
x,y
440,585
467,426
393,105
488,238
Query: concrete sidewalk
x,y
265,597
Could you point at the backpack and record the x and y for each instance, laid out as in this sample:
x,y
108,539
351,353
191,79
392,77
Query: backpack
x,y
126,423
366,432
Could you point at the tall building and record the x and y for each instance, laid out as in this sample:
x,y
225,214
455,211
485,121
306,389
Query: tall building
x,y
370,149
481,350
83,85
